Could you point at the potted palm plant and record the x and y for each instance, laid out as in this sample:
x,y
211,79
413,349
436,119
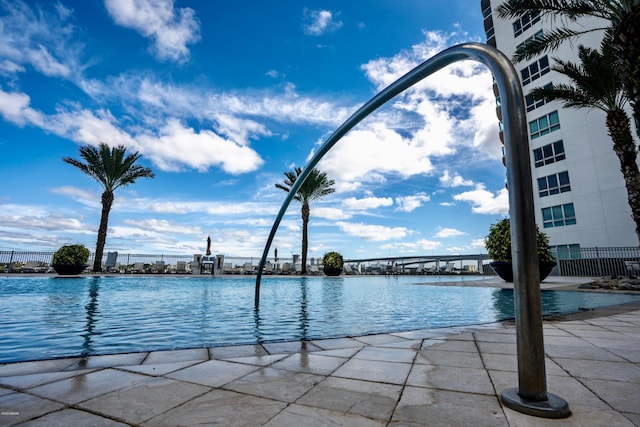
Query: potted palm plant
x,y
332,263
70,259
498,244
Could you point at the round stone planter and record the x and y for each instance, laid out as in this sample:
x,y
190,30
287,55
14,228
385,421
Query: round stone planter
x,y
332,271
69,269
505,269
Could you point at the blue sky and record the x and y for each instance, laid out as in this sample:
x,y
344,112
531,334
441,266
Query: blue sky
x,y
221,98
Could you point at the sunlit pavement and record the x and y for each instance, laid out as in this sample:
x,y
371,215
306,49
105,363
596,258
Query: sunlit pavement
x,y
449,376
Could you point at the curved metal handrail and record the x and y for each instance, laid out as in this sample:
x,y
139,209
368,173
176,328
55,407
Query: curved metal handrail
x,y
531,396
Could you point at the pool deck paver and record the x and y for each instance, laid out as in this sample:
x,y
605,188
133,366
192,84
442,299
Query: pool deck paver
x,y
436,377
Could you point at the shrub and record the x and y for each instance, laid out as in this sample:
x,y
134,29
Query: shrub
x,y
498,242
332,260
71,254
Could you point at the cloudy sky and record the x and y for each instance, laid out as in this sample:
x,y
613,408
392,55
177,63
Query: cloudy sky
x,y
220,99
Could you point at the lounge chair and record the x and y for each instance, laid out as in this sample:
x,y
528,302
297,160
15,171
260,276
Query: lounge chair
x,y
248,268
181,267
110,264
160,267
31,267
138,267
633,268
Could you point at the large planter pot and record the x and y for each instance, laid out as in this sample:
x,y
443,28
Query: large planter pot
x,y
69,269
332,271
505,269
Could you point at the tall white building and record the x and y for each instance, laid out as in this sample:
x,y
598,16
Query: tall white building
x,y
579,192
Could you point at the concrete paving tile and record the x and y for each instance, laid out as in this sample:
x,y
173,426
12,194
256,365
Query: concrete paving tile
x,y
387,354
141,402
581,352
275,383
86,386
259,360
237,351
160,368
337,343
451,345
310,363
34,380
380,339
373,370
449,358
579,397
579,418
602,370
410,344
497,348
343,352
220,407
107,361
504,362
468,380
19,407
424,406
632,355
494,337
621,396
36,367
170,356
72,417
372,400
298,415
614,344
572,341
419,334
290,347
634,418
213,373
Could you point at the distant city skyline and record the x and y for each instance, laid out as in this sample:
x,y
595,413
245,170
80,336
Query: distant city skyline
x,y
221,100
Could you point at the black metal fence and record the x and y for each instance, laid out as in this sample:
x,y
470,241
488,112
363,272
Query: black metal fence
x,y
597,262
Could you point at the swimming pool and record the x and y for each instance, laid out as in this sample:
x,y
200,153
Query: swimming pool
x,y
45,318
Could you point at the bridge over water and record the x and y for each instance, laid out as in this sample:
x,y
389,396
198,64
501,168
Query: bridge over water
x,y
421,264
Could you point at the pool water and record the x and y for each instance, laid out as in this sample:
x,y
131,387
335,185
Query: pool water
x,y
45,318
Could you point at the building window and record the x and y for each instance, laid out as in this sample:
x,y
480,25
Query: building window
x,y
558,216
535,70
549,153
532,103
554,184
544,125
567,251
534,37
524,23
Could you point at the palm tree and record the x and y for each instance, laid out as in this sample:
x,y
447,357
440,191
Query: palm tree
x,y
316,186
112,168
595,84
620,20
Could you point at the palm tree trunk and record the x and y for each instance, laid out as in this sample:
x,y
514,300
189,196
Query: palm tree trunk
x,y
627,45
619,127
107,201
305,237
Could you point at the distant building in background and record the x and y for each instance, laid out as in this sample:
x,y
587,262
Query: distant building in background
x,y
579,192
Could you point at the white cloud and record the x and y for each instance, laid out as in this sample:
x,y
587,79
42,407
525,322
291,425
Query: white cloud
x,y
15,108
170,29
163,226
448,232
411,203
374,233
485,202
422,245
446,180
366,203
329,213
318,22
